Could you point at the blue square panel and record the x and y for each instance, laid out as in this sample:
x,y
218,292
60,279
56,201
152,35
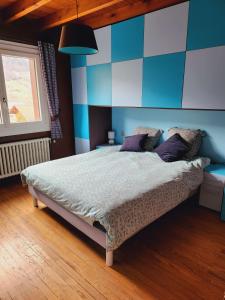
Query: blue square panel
x,y
77,61
128,39
206,24
163,78
81,121
99,84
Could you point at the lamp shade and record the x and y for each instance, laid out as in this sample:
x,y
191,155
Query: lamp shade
x,y
77,39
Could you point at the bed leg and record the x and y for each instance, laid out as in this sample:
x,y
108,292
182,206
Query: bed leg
x,y
35,202
109,258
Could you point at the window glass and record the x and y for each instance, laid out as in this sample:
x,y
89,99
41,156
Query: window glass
x,y
21,89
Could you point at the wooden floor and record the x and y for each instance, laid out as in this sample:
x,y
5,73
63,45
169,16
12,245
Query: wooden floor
x,y
181,256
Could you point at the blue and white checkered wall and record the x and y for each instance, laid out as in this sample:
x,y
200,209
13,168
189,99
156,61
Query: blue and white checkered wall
x,y
171,58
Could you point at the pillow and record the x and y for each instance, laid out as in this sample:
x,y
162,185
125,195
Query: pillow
x,y
152,138
134,143
172,149
193,137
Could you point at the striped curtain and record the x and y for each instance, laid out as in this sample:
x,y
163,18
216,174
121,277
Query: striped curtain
x,y
48,65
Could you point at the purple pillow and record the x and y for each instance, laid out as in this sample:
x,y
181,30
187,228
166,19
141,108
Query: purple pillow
x,y
172,149
134,143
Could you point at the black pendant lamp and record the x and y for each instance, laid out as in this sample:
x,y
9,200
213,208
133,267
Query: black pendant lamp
x,y
77,39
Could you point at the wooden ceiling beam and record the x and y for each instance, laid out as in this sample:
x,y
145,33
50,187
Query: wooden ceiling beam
x,y
69,14
132,9
95,13
20,9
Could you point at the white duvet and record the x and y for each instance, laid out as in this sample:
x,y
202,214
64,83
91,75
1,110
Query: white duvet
x,y
124,191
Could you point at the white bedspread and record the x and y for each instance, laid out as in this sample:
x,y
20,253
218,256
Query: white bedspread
x,y
124,191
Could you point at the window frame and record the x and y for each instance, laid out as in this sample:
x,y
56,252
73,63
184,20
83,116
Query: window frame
x,y
7,128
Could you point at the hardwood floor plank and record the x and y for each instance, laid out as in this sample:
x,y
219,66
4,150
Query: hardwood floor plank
x,y
179,257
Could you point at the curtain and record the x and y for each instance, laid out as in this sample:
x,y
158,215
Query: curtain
x,y
48,65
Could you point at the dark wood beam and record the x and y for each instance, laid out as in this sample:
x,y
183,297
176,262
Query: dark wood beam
x,y
70,13
20,9
131,9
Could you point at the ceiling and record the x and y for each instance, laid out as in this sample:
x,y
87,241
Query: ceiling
x,y
46,14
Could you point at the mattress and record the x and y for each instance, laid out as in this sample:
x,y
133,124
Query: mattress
x,y
123,191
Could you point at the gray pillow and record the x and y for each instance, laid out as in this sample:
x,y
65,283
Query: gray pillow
x,y
192,136
152,139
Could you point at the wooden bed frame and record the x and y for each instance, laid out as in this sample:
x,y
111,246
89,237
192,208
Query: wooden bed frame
x,y
92,232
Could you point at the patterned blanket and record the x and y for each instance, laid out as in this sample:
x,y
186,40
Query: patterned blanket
x,y
124,191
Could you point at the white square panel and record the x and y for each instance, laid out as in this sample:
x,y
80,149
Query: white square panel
x,y
103,39
204,80
127,83
82,145
166,30
79,85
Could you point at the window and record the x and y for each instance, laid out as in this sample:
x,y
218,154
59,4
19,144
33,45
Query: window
x,y
23,101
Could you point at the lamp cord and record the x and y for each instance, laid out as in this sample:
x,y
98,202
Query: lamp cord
x,y
77,8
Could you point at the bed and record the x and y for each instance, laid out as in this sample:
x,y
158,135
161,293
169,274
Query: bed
x,y
111,195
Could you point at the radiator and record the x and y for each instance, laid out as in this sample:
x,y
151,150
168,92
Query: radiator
x,y
14,157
